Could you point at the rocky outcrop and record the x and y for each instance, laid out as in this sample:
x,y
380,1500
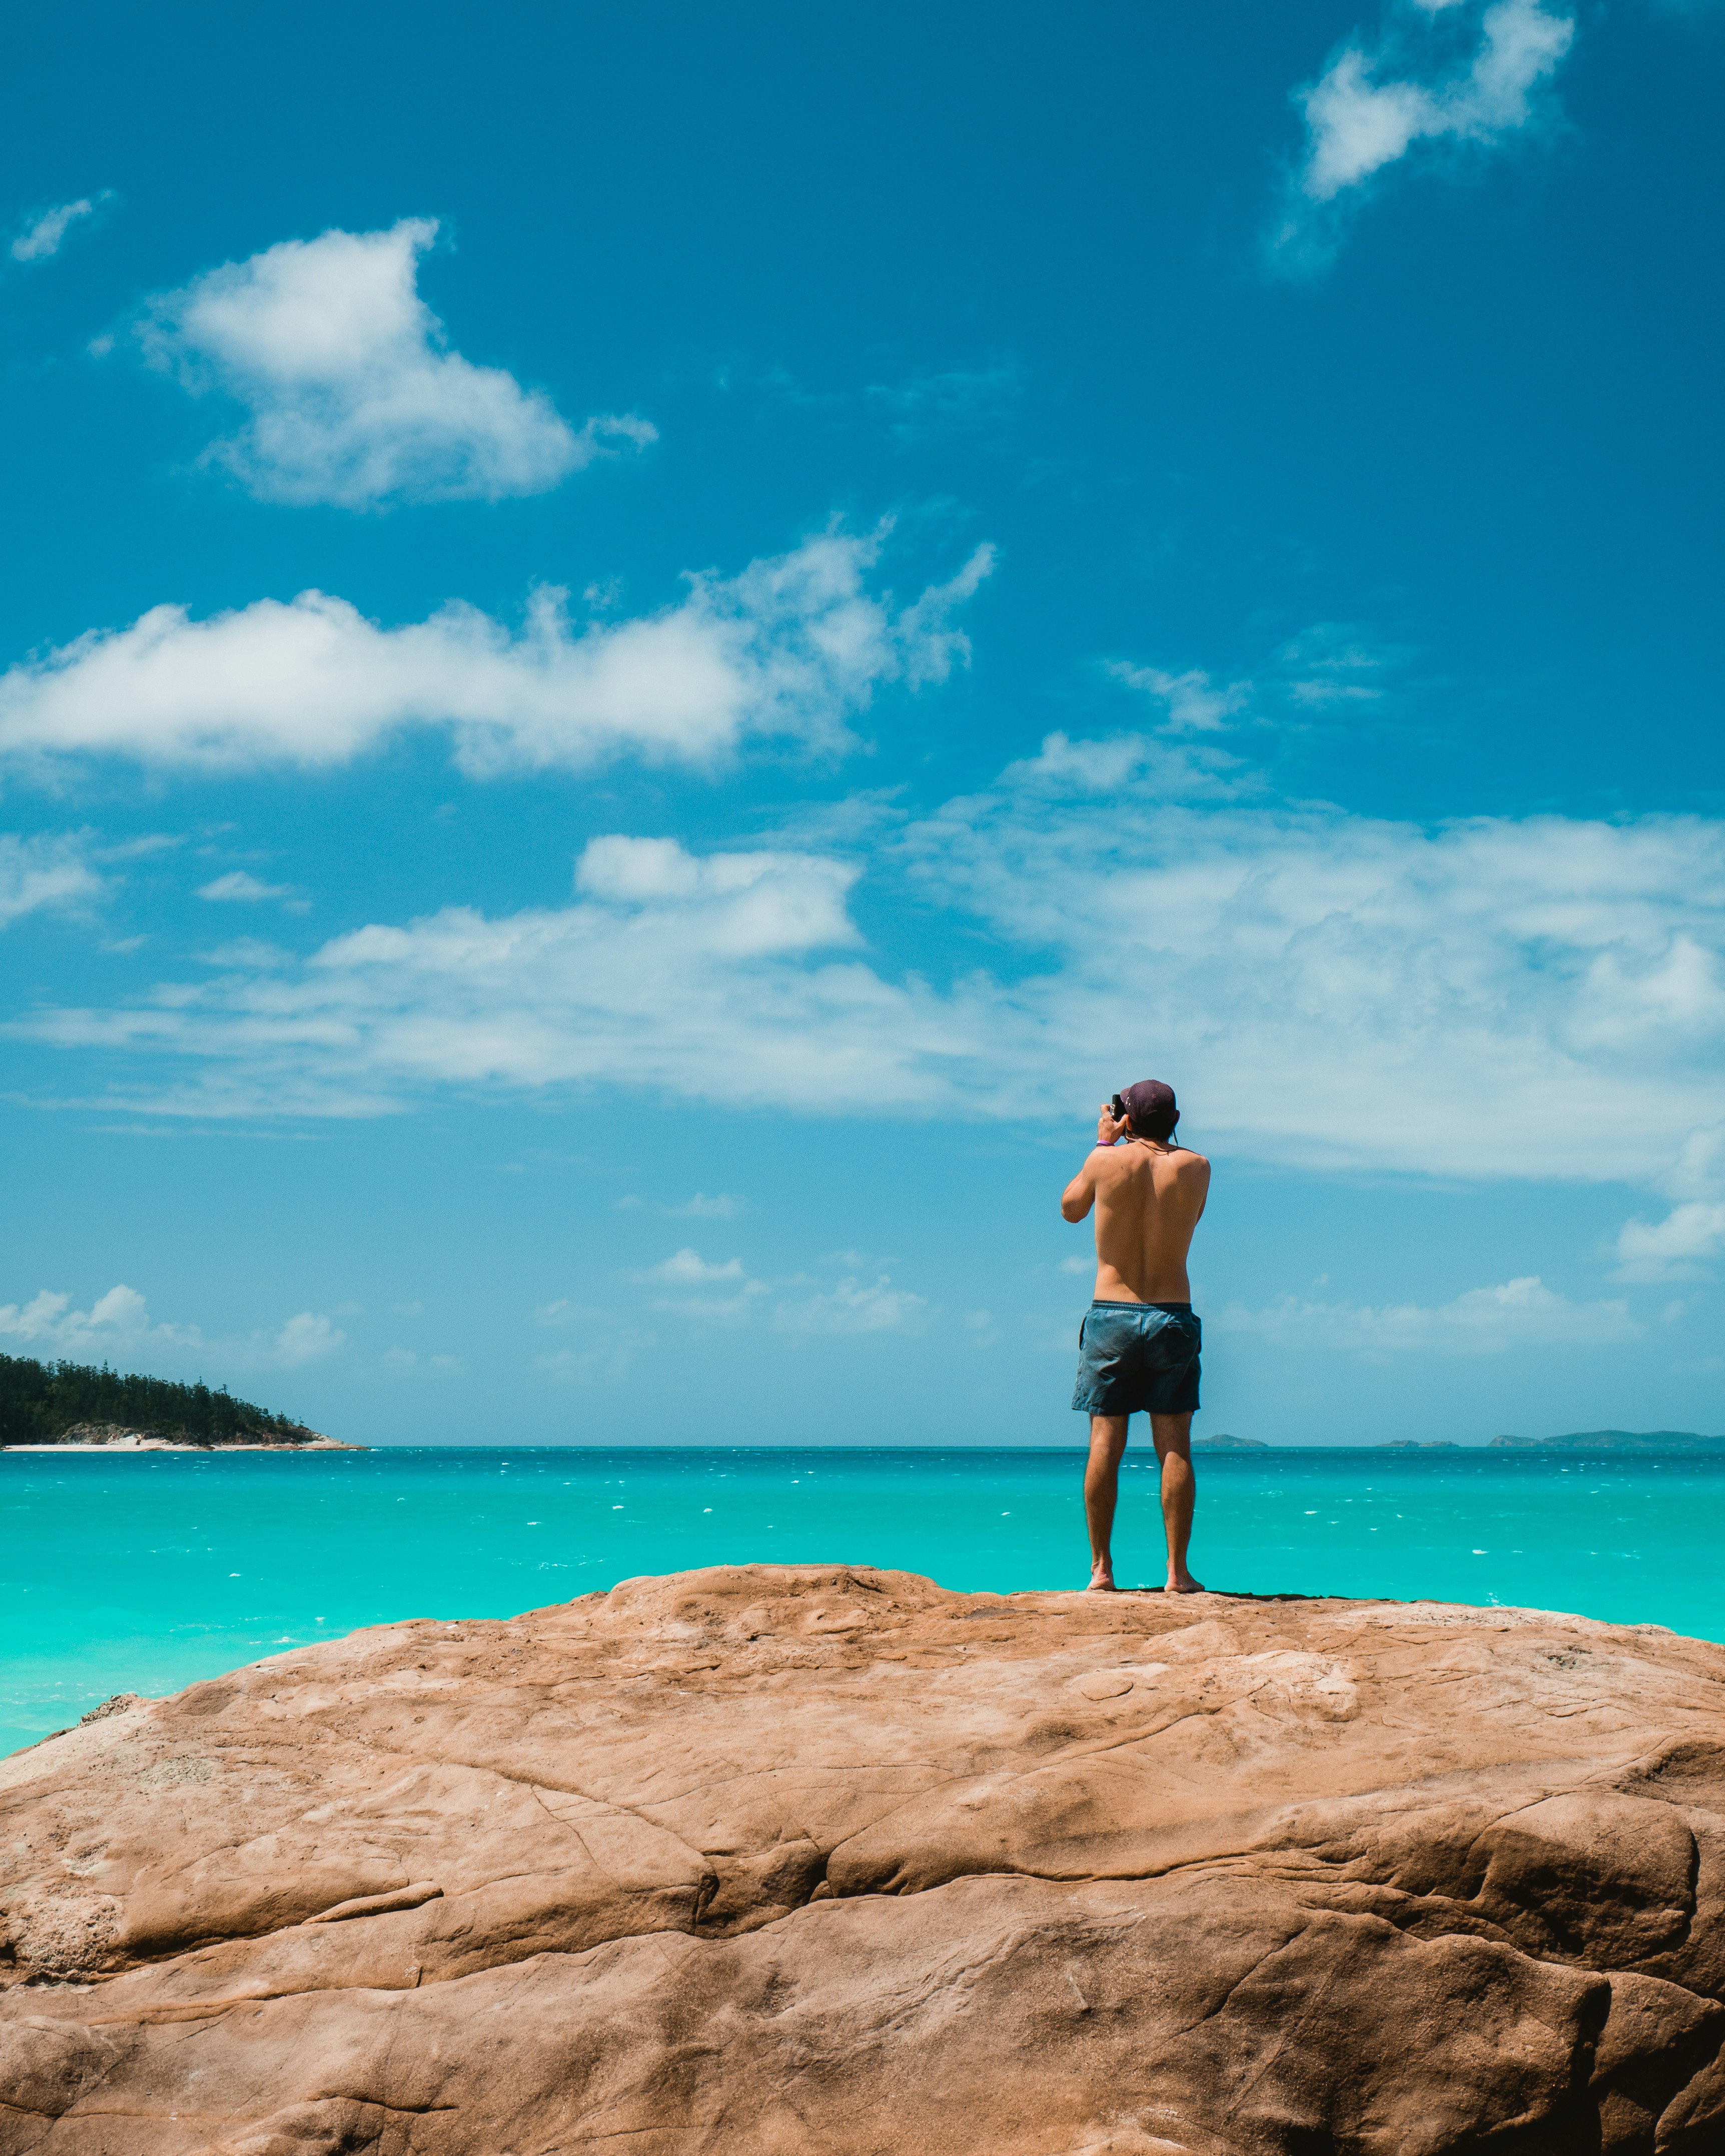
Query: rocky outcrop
x,y
760,1860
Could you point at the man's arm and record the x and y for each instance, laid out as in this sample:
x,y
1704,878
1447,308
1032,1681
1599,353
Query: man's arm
x,y
1079,1195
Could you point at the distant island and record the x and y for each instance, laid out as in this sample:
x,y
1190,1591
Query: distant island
x,y
1579,1440
1615,1440
76,1405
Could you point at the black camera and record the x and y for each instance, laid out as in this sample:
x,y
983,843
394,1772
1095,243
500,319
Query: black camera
x,y
1117,1108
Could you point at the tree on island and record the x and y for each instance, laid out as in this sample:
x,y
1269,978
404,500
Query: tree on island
x,y
40,1403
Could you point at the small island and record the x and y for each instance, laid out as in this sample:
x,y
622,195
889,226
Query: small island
x,y
74,1406
1616,1441
1223,1442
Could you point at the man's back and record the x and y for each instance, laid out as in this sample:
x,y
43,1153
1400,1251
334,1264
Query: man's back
x,y
1148,1200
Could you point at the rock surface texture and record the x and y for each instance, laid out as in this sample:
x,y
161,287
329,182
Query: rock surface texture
x,y
821,1862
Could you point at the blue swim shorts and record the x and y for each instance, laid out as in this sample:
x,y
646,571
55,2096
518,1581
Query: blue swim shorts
x,y
1137,1358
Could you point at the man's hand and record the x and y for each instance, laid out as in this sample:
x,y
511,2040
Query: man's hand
x,y
1108,1131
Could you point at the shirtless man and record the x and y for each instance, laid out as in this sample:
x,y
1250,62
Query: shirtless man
x,y
1138,1346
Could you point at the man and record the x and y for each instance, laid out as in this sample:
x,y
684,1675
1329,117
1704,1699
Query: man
x,y
1138,1346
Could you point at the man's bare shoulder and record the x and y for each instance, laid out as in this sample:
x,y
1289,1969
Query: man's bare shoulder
x,y
1134,1163
1112,1160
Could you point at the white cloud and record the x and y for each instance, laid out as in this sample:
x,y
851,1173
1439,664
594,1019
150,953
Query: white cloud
x,y
49,1320
742,904
1360,118
238,887
563,1312
702,985
1187,772
1494,998
931,646
403,1362
686,1268
701,1207
1194,705
1672,1248
793,647
119,1323
1489,997
853,1306
1328,663
306,1338
354,397
1359,126
44,873
43,236
1485,1320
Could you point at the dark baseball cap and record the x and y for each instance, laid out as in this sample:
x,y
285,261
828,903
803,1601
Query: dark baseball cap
x,y
1152,1106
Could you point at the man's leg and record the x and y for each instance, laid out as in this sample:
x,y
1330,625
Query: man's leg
x,y
1101,1488
1172,1436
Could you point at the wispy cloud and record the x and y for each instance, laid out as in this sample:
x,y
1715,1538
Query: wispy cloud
x,y
44,233
722,1292
957,400
853,1306
406,1362
1193,704
1331,663
1485,1320
44,873
795,646
239,887
355,398
1417,83
1328,665
1481,1000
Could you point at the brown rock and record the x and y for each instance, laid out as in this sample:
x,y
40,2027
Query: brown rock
x,y
770,1860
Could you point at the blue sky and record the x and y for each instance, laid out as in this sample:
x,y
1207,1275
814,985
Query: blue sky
x,y
645,648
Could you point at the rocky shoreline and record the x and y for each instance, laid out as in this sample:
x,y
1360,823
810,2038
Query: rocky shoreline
x,y
116,1437
765,1860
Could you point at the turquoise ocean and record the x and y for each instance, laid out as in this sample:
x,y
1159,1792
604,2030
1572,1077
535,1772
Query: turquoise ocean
x,y
144,1572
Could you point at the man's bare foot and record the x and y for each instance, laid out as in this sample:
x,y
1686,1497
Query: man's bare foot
x,y
1101,1580
1184,1584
